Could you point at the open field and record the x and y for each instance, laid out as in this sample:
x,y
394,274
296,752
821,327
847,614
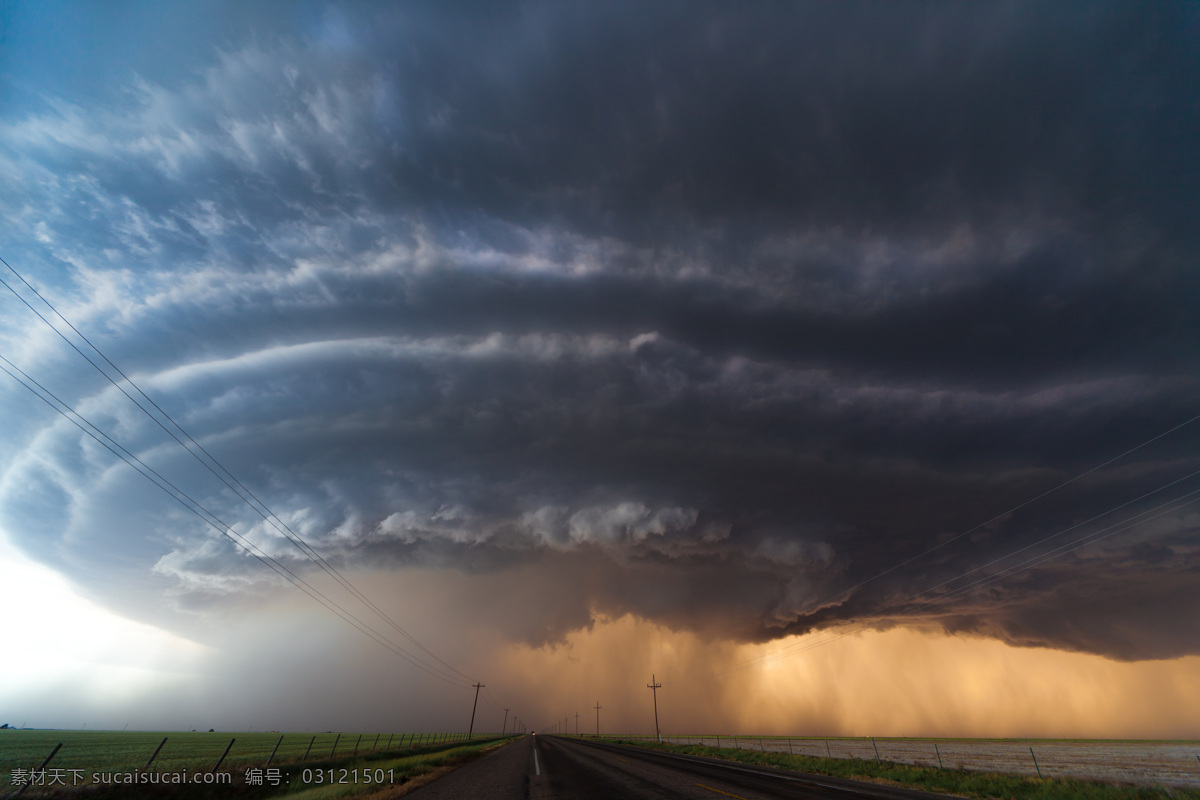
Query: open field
x,y
85,753
1140,763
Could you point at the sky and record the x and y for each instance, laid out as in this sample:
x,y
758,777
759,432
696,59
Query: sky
x,y
834,364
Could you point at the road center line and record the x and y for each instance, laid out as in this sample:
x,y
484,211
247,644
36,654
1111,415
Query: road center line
x,y
537,770
718,791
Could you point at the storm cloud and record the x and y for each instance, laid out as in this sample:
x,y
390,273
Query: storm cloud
x,y
713,316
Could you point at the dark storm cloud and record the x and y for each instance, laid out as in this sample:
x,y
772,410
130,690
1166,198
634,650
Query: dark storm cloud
x,y
717,312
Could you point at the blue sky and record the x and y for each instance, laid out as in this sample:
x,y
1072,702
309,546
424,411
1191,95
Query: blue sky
x,y
696,316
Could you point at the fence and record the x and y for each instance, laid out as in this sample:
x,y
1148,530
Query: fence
x,y
71,755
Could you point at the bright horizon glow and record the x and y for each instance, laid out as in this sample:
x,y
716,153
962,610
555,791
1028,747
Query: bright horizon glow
x,y
896,683
65,647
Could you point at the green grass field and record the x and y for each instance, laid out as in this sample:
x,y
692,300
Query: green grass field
x,y
191,752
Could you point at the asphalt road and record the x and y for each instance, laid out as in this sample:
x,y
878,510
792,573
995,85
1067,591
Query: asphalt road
x,y
544,767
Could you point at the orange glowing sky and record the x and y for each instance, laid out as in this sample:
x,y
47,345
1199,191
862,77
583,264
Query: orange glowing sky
x,y
900,682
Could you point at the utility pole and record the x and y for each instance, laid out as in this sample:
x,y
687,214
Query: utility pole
x,y
471,732
598,707
654,686
576,723
504,727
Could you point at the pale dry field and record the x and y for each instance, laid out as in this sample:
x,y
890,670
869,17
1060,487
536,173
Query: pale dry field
x,y
1145,763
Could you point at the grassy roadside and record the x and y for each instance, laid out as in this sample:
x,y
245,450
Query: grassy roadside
x,y
404,770
981,785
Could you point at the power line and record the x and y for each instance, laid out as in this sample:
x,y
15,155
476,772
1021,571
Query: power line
x,y
1092,538
471,731
197,508
1015,508
783,652
986,581
654,686
1104,533
844,631
1076,526
258,506
241,490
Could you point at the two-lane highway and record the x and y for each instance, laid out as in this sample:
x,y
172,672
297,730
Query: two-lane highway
x,y
545,767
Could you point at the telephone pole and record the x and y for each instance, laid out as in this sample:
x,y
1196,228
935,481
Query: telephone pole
x,y
471,732
598,707
654,686
576,723
504,727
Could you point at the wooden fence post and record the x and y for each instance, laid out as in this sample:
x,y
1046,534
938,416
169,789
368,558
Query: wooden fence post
x,y
40,768
228,747
154,755
271,757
